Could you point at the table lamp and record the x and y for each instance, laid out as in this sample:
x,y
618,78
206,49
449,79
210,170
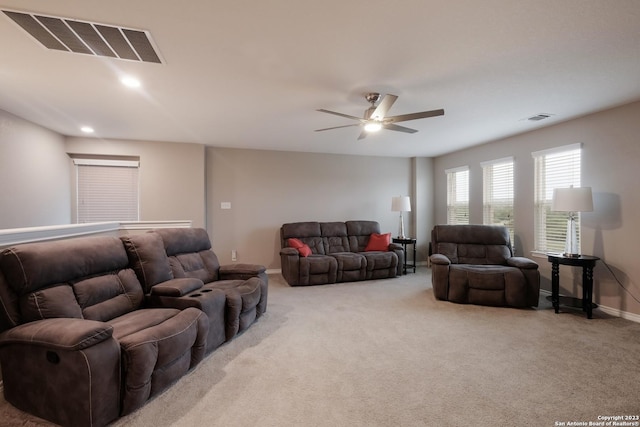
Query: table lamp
x,y
401,204
572,200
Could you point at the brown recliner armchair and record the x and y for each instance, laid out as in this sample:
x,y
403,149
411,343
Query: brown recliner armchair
x,y
474,264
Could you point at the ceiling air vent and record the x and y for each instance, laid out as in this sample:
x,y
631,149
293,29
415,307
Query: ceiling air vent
x,y
89,38
539,117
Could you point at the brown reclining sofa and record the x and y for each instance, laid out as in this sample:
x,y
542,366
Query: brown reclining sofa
x,y
338,253
84,342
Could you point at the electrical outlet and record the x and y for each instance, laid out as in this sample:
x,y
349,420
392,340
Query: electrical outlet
x,y
234,255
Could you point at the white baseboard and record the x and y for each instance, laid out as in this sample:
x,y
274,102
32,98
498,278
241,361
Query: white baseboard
x,y
610,310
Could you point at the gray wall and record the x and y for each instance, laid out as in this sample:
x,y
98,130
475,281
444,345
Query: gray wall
x,y
34,175
172,175
269,188
423,194
611,155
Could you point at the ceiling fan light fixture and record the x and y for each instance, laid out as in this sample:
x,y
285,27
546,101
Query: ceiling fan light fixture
x,y
373,126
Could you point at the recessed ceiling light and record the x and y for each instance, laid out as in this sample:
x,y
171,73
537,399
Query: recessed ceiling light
x,y
129,81
87,129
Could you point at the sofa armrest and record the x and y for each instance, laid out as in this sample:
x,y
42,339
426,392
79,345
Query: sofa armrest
x,y
395,247
522,262
176,287
439,259
59,334
65,370
241,271
290,265
289,252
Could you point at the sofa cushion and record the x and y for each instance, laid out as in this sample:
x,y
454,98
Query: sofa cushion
x,y
359,233
378,242
381,265
317,269
148,258
351,266
472,244
184,240
57,301
335,238
301,229
110,295
159,345
496,285
201,265
33,266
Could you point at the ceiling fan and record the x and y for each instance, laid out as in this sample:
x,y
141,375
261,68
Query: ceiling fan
x,y
375,117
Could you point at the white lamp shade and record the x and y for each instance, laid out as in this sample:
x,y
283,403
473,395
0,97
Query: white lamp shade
x,y
401,204
572,199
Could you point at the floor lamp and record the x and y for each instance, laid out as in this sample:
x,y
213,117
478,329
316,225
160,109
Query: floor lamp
x,y
572,200
401,204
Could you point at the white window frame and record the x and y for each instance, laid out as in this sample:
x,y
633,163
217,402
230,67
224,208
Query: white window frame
x,y
498,193
106,190
458,195
558,167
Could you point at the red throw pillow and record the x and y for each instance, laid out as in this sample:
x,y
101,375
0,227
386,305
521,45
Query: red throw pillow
x,y
295,243
304,251
378,242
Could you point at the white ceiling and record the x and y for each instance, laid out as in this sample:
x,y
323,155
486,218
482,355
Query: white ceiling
x,y
250,74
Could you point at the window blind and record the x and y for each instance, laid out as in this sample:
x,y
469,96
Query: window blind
x,y
107,190
498,193
458,195
555,168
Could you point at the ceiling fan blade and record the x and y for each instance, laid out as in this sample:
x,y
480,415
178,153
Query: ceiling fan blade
x,y
322,110
338,127
363,134
414,116
383,107
391,126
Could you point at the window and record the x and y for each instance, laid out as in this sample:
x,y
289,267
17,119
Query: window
x,y
554,168
107,190
458,195
498,193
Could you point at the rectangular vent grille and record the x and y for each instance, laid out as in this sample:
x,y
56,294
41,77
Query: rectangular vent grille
x,y
89,38
539,117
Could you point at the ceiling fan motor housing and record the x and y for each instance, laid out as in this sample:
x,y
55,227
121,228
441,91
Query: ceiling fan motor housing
x,y
373,97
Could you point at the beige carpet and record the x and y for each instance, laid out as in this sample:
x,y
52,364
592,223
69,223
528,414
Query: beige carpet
x,y
386,353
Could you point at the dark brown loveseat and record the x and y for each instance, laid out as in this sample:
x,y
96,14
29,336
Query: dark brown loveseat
x,y
337,253
177,268
80,349
474,264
